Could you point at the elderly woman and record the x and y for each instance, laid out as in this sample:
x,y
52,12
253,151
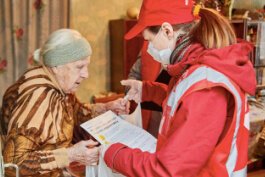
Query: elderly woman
x,y
40,109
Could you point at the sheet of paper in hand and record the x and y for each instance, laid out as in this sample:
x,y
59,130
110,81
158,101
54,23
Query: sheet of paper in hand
x,y
110,128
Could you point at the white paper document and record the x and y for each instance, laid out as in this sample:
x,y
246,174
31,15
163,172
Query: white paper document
x,y
110,128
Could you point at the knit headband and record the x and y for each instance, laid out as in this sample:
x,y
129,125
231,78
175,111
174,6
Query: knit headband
x,y
76,50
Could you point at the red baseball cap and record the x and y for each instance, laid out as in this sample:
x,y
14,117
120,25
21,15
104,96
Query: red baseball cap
x,y
155,12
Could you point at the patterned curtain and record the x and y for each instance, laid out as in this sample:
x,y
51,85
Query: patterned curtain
x,y
24,26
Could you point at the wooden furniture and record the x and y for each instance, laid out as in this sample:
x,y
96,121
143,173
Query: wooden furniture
x,y
106,98
259,173
123,53
256,168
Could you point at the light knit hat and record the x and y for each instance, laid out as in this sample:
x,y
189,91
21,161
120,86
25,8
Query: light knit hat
x,y
76,50
63,46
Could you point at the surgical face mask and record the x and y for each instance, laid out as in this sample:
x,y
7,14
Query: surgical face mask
x,y
162,56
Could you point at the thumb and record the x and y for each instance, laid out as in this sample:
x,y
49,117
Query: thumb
x,y
90,143
128,82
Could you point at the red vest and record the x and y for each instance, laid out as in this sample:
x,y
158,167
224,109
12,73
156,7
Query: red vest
x,y
229,158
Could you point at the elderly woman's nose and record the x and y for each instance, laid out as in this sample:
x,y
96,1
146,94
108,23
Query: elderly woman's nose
x,y
84,73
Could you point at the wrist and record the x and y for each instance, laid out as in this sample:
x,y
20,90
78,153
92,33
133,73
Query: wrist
x,y
98,108
61,157
70,155
107,106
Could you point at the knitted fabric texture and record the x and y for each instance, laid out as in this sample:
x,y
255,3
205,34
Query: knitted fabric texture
x,y
76,50
183,44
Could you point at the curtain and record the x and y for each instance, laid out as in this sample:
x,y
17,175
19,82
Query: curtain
x,y
24,26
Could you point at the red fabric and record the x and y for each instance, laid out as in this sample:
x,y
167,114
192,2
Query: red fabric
x,y
233,61
146,117
150,69
154,91
113,151
189,140
217,165
154,13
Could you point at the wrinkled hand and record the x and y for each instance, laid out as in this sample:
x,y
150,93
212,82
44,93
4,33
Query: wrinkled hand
x,y
84,152
135,92
119,106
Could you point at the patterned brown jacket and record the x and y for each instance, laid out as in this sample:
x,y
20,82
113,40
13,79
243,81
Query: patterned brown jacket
x,y
39,119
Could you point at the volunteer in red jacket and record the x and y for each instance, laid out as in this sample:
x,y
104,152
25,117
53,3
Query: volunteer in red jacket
x,y
146,68
204,128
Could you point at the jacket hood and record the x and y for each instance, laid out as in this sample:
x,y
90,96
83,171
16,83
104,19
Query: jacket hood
x,y
233,61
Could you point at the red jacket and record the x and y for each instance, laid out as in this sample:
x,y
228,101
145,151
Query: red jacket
x,y
200,124
150,69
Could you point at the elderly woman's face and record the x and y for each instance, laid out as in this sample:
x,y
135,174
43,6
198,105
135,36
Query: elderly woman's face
x,y
72,74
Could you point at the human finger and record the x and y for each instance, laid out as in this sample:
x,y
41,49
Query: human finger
x,y
128,82
90,143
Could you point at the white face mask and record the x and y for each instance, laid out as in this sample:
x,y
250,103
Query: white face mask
x,y
162,56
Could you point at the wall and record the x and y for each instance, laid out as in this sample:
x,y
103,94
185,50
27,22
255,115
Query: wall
x,y
249,4
90,18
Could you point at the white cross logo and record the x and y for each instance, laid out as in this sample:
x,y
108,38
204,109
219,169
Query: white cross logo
x,y
186,2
